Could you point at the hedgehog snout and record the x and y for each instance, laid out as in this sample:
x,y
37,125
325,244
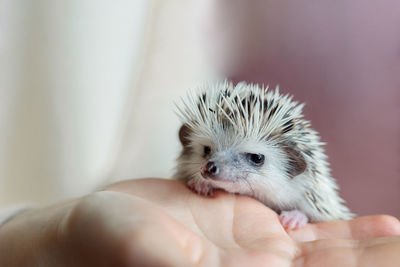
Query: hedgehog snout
x,y
210,170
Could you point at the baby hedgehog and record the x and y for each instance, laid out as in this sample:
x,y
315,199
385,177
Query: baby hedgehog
x,y
247,140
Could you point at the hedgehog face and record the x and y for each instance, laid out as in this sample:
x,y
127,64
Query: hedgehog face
x,y
236,166
245,139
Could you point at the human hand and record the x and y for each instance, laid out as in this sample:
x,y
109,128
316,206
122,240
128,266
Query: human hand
x,y
154,222
231,230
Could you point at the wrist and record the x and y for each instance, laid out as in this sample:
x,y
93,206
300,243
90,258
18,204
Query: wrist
x,y
31,237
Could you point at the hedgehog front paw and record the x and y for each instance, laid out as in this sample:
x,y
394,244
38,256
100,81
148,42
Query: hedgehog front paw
x,y
201,187
293,219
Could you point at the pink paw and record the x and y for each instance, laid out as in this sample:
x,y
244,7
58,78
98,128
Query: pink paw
x,y
201,187
293,219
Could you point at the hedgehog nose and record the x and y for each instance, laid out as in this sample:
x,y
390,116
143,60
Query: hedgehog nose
x,y
209,170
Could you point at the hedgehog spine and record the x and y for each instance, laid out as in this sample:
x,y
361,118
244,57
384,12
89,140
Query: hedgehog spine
x,y
234,122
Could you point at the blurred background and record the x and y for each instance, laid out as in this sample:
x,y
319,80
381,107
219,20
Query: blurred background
x,y
87,87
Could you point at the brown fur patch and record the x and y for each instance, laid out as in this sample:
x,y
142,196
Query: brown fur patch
x,y
184,134
288,126
297,164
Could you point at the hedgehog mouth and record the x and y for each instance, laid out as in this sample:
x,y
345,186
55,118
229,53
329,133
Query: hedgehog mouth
x,y
216,178
230,186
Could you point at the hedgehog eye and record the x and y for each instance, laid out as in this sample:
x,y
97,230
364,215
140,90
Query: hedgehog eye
x,y
256,159
207,151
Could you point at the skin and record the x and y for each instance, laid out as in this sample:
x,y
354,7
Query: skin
x,y
155,222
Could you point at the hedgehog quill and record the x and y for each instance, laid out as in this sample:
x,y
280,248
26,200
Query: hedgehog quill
x,y
248,140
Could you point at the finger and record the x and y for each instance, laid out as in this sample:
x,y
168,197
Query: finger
x,y
372,252
359,228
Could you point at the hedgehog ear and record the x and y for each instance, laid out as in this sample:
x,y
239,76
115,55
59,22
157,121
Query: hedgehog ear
x,y
297,163
184,134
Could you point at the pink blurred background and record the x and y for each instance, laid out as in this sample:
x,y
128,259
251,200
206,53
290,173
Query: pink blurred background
x,y
343,59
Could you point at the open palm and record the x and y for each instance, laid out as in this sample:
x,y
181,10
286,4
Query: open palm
x,y
168,225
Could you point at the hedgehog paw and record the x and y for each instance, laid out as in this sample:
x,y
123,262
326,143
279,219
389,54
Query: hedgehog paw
x,y
293,219
201,188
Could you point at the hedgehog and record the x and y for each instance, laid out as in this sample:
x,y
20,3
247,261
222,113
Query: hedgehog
x,y
246,139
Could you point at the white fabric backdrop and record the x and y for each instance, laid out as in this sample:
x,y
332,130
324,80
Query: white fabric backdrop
x,y
86,92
